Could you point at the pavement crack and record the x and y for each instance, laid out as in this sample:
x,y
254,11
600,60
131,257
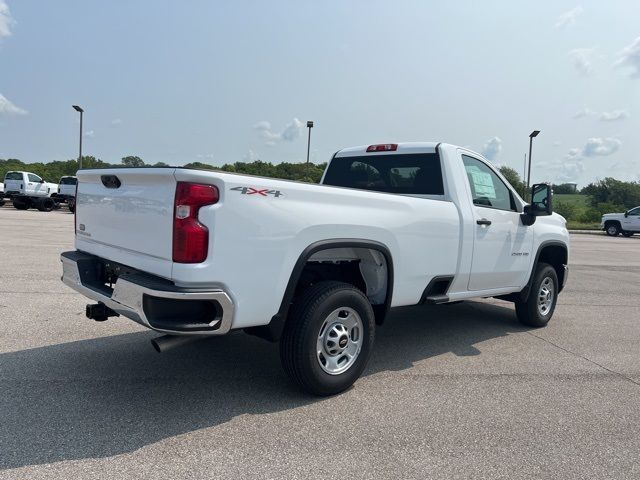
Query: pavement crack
x,y
585,358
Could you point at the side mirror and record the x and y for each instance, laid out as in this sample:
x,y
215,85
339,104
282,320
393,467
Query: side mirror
x,y
626,214
41,180
541,204
541,199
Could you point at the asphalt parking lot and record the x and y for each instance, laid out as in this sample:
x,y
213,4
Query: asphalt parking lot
x,y
460,391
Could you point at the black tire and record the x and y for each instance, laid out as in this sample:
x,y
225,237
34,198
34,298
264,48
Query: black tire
x,y
72,205
46,205
627,234
298,345
612,229
528,312
20,204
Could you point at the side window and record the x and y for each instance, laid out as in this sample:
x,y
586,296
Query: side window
x,y
487,189
634,211
34,178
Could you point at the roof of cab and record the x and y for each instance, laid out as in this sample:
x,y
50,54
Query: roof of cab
x,y
407,147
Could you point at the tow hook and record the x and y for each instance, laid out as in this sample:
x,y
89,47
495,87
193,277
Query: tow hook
x,y
99,312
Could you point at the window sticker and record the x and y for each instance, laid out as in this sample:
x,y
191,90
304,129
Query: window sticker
x,y
482,182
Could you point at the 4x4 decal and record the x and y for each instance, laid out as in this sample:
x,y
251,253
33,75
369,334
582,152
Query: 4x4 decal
x,y
263,192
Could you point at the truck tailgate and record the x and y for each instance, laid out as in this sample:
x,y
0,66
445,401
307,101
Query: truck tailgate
x,y
126,215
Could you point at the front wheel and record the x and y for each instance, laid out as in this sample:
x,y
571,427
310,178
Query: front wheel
x,y
328,337
539,307
613,229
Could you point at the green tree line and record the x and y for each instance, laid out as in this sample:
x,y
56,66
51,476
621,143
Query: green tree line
x,y
52,171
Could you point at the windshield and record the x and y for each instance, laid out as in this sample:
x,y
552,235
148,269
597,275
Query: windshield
x,y
411,173
13,176
68,181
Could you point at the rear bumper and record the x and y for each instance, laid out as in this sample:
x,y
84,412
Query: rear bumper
x,y
150,301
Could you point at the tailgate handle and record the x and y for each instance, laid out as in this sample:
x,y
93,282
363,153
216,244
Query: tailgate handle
x,y
110,181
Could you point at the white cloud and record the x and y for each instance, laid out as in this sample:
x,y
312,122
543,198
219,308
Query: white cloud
x,y
629,56
262,125
568,19
601,147
570,171
8,108
89,133
492,148
250,156
582,59
614,115
290,132
116,121
585,112
6,20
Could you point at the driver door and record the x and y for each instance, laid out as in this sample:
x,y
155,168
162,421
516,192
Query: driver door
x,y
34,184
631,222
502,244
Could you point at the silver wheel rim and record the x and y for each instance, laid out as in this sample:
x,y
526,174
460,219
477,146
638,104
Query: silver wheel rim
x,y
612,230
545,296
339,341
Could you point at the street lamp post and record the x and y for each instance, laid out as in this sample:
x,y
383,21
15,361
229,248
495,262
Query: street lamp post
x,y
532,135
81,111
309,126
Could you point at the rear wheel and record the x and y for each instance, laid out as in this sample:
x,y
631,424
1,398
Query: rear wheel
x,y
612,229
627,234
539,307
72,205
19,204
327,340
46,205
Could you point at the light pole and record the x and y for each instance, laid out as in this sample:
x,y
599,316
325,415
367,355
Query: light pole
x,y
532,135
309,126
81,111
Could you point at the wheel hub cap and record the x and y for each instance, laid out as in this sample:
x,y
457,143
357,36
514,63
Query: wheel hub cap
x,y
339,340
545,296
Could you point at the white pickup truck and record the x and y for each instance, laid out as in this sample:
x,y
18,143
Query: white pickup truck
x,y
67,191
28,190
317,267
626,223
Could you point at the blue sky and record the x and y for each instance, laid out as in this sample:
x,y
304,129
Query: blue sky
x,y
225,81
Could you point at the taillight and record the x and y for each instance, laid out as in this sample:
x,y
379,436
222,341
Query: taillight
x,y
75,211
385,147
190,237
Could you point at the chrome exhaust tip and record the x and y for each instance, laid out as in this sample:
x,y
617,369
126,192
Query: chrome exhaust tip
x,y
168,342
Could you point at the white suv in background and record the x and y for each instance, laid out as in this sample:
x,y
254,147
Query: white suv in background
x,y
626,223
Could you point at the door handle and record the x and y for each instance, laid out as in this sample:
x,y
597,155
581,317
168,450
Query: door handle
x,y
483,221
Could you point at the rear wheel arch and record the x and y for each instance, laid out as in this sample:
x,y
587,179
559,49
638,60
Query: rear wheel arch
x,y
273,330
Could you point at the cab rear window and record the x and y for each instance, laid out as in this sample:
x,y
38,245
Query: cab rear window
x,y
13,176
410,173
68,181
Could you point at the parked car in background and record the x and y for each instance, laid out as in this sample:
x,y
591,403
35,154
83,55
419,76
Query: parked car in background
x,y
192,253
1,194
67,191
626,223
28,190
